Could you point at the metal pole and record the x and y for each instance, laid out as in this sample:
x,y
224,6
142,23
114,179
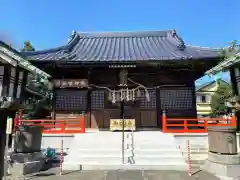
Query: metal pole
x,y
61,158
123,124
6,158
8,132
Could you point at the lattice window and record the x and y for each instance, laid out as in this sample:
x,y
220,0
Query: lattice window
x,y
71,100
97,100
176,98
144,104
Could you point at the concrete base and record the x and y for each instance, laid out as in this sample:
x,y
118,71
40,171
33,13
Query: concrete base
x,y
25,157
26,163
223,165
19,169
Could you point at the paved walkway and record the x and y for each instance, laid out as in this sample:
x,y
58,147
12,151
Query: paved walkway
x,y
121,175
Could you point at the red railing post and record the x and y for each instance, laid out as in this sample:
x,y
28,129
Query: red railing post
x,y
205,125
234,120
185,125
62,126
82,124
16,121
164,122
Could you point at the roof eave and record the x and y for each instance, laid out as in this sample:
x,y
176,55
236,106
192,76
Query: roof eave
x,y
224,65
21,62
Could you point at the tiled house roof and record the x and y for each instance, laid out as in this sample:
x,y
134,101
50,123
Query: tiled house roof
x,y
124,46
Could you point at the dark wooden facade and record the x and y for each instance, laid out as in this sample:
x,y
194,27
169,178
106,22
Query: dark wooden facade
x,y
171,90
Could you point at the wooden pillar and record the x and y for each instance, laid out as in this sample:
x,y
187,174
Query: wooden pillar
x,y
1,79
159,109
16,83
53,114
234,81
237,78
12,82
6,80
123,76
24,80
2,127
89,98
20,82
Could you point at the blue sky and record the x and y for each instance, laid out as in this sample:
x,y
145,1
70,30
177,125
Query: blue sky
x,y
49,23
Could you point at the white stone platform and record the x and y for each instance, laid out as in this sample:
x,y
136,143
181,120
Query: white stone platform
x,y
143,150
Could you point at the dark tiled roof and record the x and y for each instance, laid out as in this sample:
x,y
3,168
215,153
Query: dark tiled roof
x,y
124,46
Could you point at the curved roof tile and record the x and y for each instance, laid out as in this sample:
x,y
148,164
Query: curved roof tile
x,y
124,46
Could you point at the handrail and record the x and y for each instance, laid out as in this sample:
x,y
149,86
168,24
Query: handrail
x,y
187,125
63,126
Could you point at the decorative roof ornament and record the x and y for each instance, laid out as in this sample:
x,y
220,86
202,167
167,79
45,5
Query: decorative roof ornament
x,y
182,45
174,33
71,36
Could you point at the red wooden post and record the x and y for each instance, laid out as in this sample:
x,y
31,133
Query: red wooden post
x,y
205,125
234,120
16,122
185,125
62,126
82,123
164,122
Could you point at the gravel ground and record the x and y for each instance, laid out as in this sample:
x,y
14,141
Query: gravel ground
x,y
53,174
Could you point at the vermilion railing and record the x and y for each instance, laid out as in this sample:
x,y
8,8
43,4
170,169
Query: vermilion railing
x,y
194,125
67,126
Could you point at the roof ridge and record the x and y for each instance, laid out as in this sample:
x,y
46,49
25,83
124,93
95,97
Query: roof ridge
x,y
106,34
75,36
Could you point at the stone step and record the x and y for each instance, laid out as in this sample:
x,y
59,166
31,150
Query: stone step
x,y
138,137
137,152
147,159
116,145
124,167
155,146
103,149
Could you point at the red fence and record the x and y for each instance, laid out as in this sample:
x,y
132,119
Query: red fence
x,y
194,125
67,126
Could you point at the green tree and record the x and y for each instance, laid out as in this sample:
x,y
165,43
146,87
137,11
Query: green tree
x,y
233,49
28,47
219,99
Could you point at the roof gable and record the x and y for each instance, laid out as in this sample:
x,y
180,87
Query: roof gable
x,y
124,46
208,85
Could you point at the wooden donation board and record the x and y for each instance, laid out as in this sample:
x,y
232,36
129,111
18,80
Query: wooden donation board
x,y
116,124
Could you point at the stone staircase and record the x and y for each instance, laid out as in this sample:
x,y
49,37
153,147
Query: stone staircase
x,y
198,150
143,150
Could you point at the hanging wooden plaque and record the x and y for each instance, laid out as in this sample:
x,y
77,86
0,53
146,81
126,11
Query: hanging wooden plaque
x,y
70,83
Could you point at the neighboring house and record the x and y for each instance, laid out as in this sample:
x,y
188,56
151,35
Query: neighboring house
x,y
231,64
204,95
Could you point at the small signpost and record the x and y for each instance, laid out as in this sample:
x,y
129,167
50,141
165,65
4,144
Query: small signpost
x,y
8,132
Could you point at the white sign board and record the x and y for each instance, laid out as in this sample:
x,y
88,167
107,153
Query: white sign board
x,y
9,126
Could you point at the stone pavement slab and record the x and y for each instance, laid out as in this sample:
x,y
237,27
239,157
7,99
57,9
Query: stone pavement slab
x,y
120,175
